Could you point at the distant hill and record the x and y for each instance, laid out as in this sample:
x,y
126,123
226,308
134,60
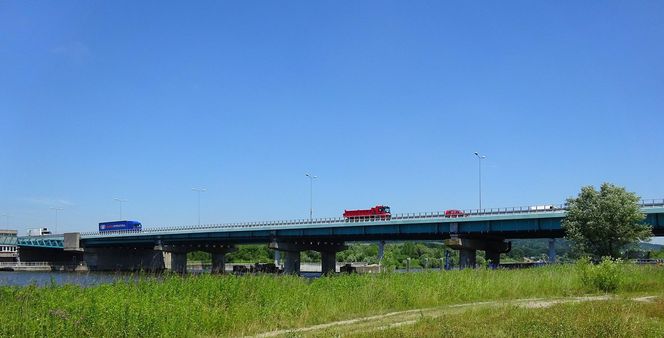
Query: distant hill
x,y
534,248
540,247
650,246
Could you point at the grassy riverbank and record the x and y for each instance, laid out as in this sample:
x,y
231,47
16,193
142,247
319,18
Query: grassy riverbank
x,y
228,305
612,318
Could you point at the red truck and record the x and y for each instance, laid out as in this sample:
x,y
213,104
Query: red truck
x,y
453,213
377,212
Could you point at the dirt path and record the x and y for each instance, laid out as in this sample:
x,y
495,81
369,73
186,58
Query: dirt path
x,y
400,318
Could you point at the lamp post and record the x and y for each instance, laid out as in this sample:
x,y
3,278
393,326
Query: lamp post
x,y
56,217
120,201
311,195
199,191
479,162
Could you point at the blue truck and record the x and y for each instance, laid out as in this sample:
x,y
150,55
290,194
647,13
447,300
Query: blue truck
x,y
120,226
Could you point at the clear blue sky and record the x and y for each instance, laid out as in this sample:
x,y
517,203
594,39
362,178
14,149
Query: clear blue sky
x,y
385,101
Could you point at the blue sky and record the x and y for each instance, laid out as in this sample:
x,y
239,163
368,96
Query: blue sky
x,y
385,101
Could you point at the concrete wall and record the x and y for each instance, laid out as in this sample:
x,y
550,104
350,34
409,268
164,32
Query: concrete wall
x,y
72,241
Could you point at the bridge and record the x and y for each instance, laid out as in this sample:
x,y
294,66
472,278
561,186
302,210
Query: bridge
x,y
166,247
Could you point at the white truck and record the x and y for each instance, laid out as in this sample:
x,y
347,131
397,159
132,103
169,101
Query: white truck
x,y
39,232
542,207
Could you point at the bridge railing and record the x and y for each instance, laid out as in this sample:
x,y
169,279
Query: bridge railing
x,y
545,208
23,264
51,236
652,203
327,220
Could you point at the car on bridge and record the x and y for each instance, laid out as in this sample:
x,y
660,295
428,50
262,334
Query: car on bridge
x,y
454,213
379,212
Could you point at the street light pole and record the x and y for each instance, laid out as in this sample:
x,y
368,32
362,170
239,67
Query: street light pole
x,y
120,200
479,162
199,191
311,195
56,217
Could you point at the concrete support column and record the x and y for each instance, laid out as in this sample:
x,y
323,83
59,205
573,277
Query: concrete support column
x,y
448,261
277,257
492,258
292,262
468,248
328,262
179,261
467,258
218,253
552,250
218,262
381,250
292,251
178,256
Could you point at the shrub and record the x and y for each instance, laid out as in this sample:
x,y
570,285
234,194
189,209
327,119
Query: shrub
x,y
605,276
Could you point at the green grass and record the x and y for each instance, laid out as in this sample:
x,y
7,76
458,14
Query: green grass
x,y
230,305
616,318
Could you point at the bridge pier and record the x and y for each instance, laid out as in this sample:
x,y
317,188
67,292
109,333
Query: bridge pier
x,y
492,258
175,257
448,261
328,262
292,262
277,258
178,261
218,262
468,249
218,253
381,250
552,250
292,251
467,258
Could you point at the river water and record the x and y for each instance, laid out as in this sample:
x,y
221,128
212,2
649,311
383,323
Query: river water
x,y
10,278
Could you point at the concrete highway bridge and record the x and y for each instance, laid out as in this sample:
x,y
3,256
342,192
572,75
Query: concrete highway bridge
x,y
161,248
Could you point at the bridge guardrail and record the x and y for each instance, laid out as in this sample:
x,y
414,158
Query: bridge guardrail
x,y
547,208
23,264
45,237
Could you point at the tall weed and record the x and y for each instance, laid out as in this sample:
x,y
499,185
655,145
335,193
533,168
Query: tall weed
x,y
607,276
207,305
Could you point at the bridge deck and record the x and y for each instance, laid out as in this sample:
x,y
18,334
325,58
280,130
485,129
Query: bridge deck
x,y
505,222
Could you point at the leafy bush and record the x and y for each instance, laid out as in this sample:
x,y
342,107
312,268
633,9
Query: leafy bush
x,y
606,276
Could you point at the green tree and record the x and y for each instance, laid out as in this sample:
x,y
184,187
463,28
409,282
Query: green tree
x,y
658,254
601,223
251,253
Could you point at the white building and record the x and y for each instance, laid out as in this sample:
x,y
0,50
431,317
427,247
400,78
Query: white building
x,y
8,248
